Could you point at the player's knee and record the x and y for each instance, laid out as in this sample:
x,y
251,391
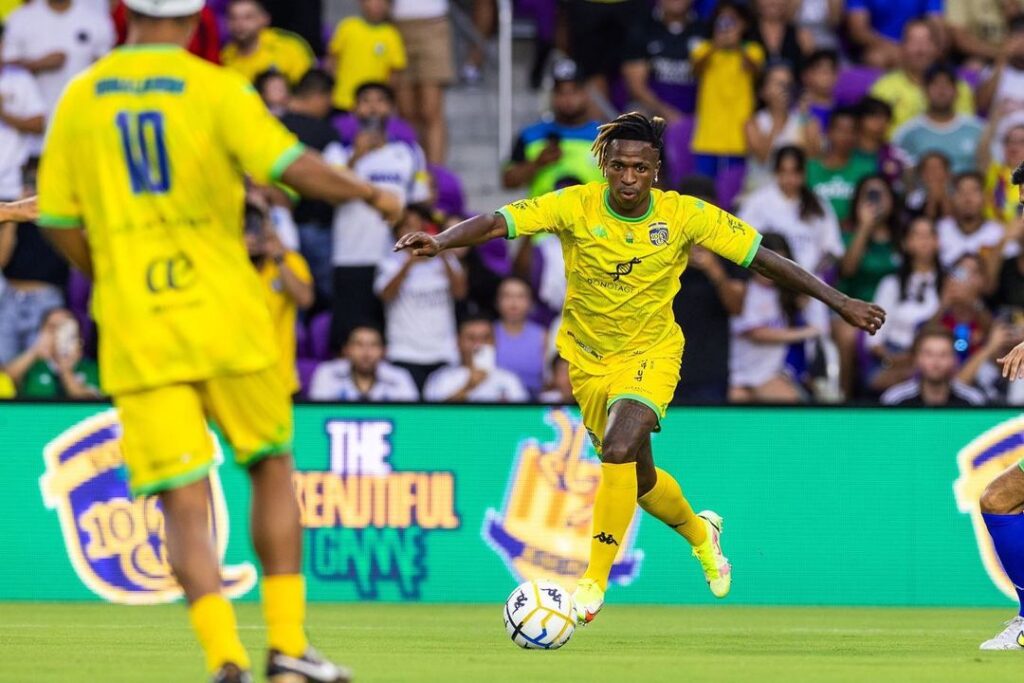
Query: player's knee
x,y
994,500
617,452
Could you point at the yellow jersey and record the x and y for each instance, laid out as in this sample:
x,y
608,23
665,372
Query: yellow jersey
x,y
366,53
146,151
623,273
725,98
283,312
276,49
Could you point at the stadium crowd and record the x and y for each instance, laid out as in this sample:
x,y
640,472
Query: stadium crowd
x,y
870,141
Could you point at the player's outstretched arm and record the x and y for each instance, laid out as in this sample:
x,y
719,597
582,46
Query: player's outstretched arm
x,y
71,243
1013,363
313,178
862,314
21,211
468,233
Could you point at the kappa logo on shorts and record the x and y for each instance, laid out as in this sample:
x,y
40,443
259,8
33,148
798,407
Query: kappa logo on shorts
x,y
116,542
658,233
543,527
980,462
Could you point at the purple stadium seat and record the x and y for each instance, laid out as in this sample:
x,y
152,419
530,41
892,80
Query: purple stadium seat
x,y
79,291
450,197
302,349
971,76
306,367
728,185
678,156
854,83
320,336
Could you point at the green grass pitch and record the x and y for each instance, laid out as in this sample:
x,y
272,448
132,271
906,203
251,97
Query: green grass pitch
x,y
455,644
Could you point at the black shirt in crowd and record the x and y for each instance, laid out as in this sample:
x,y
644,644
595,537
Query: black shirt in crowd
x,y
316,134
34,259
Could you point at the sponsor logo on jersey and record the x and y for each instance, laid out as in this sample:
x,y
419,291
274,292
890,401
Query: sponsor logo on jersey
x,y
116,541
658,232
624,268
542,530
367,522
979,463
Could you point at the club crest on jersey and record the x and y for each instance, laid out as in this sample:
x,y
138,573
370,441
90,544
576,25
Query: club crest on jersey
x,y
658,233
116,541
979,463
543,527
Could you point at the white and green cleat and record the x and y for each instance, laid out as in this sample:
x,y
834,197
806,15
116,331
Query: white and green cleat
x,y
587,601
713,561
1011,637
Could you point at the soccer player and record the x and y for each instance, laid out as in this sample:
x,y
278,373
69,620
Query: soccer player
x,y
141,187
1002,503
625,246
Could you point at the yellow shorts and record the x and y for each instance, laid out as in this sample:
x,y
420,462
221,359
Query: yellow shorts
x,y
649,379
165,438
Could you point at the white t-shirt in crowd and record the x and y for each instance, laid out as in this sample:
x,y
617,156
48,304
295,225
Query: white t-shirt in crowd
x,y
418,9
903,317
361,236
81,32
1009,89
752,364
953,243
420,321
333,381
21,98
500,386
768,210
760,174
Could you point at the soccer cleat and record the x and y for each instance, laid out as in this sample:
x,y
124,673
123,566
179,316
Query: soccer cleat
x,y
715,564
310,668
1011,637
231,673
587,601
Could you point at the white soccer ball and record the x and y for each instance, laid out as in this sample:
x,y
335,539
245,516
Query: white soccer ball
x,y
539,615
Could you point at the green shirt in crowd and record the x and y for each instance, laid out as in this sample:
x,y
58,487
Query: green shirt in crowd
x,y
837,185
43,381
880,259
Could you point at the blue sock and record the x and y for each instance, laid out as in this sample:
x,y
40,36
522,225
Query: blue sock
x,y
1007,533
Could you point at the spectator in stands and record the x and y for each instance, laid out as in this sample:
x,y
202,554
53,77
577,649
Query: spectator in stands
x,y
776,126
560,387
285,277
205,41
361,373
54,40
521,344
980,370
557,146
727,67
910,298
711,290
822,18
419,296
962,310
477,379
1008,297
940,128
777,32
929,195
788,207
873,141
1004,82
877,25
255,47
761,335
979,28
362,238
596,30
966,230
427,36
364,49
657,69
903,88
274,90
936,365
307,117
819,76
53,366
304,18
1001,195
22,115
834,177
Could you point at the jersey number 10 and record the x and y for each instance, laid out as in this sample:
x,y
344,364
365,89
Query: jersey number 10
x,y
142,136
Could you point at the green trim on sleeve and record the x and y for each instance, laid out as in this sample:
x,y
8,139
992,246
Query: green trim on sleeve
x,y
660,413
268,451
286,159
749,258
177,482
509,222
52,220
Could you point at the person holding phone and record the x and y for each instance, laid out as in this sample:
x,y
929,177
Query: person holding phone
x,y
54,365
478,379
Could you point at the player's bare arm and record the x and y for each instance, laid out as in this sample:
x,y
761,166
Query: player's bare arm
x,y
468,233
861,314
21,211
1013,363
313,178
72,244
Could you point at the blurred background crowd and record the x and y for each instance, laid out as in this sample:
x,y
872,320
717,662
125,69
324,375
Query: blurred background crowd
x,y
872,141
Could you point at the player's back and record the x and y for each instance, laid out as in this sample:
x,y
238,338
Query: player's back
x,y
147,150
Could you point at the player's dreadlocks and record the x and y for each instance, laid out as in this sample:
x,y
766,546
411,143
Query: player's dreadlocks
x,y
1018,174
631,126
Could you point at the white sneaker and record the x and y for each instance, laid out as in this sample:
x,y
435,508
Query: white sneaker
x,y
1011,638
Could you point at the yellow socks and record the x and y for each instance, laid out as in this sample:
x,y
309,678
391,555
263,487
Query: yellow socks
x,y
284,610
613,510
666,502
214,622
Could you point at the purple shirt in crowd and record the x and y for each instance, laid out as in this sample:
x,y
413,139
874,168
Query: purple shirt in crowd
x,y
523,355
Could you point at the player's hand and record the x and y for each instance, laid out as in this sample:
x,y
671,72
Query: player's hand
x,y
862,315
1013,363
388,204
420,243
21,211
